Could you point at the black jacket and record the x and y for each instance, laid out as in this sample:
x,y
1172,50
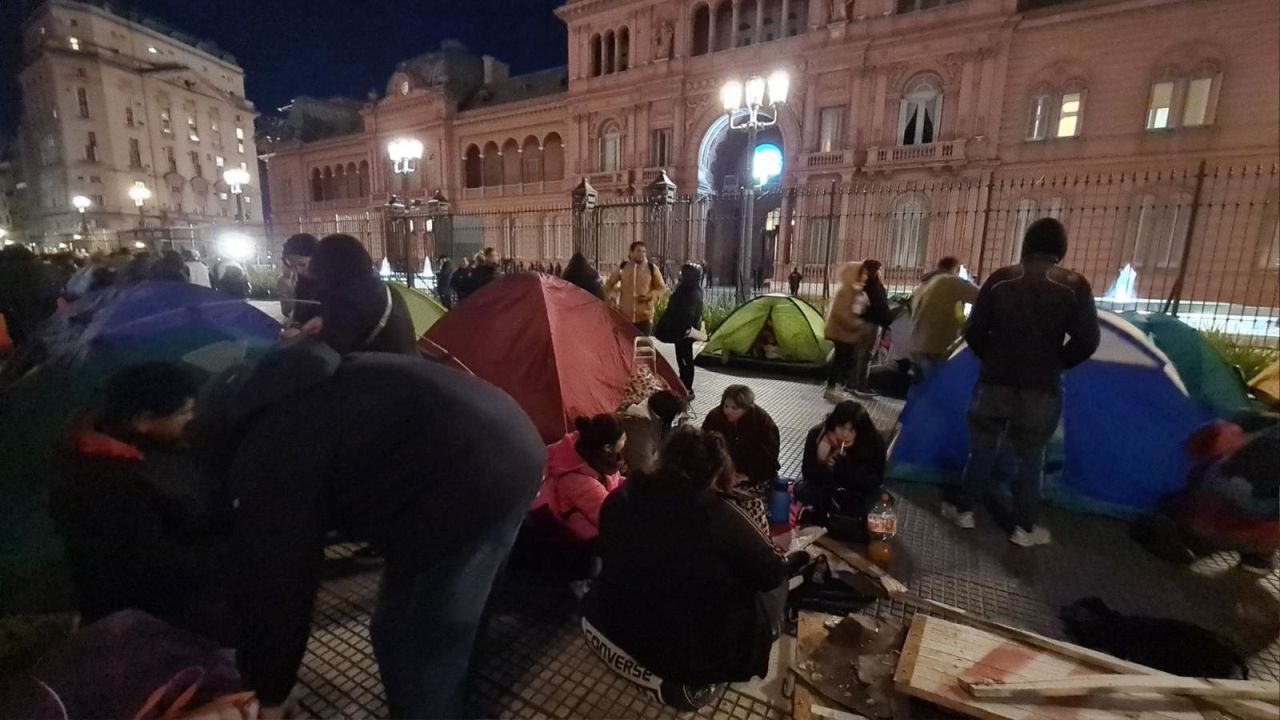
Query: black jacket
x,y
352,312
682,585
304,289
478,277
414,457
136,534
878,311
1023,315
754,444
860,473
684,313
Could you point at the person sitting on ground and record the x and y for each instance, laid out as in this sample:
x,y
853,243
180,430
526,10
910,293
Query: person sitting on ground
x,y
358,312
680,595
1229,503
131,509
751,436
647,432
582,469
937,315
299,284
844,466
579,272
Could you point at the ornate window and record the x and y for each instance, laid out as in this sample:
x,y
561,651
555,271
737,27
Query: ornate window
x,y
1056,112
920,112
610,148
1181,98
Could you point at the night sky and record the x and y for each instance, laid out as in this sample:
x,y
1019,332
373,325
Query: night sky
x,y
325,47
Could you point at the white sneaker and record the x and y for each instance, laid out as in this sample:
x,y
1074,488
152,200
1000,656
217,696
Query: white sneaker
x,y
961,519
1038,536
834,395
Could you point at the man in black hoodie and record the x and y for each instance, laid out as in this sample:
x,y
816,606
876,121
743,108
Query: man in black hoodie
x,y
1031,322
434,468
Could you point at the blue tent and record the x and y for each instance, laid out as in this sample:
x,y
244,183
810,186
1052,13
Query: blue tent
x,y
1126,415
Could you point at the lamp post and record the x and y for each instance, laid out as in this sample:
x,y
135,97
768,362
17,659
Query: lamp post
x,y
139,194
404,153
751,106
82,203
237,178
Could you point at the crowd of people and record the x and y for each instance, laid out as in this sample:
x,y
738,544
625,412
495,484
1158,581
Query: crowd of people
x,y
208,502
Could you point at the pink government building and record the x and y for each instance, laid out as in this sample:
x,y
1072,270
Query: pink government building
x,y
912,129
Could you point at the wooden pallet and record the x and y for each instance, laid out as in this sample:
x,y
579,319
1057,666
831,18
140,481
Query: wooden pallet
x,y
940,656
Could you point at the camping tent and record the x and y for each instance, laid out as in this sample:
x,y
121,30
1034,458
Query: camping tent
x,y
1216,386
797,326
556,349
1126,414
423,309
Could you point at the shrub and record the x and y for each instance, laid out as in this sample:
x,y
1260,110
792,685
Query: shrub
x,y
1249,359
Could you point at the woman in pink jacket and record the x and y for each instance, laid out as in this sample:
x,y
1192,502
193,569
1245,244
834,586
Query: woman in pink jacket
x,y
582,469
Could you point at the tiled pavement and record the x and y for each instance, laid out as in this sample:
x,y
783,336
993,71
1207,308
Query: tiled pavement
x,y
533,663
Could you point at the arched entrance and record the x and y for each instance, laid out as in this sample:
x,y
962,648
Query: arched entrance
x,y
725,170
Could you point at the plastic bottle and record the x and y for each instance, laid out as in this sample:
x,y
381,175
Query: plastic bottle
x,y
882,525
780,503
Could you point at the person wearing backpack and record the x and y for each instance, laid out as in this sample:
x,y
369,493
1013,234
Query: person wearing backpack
x,y
638,284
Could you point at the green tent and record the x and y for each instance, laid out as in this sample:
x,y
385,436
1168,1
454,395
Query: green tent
x,y
1211,381
423,309
797,328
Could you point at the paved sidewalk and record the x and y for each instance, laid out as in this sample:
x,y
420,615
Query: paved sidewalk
x,y
533,663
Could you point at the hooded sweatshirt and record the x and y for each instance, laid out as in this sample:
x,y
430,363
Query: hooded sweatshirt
x,y
844,323
572,491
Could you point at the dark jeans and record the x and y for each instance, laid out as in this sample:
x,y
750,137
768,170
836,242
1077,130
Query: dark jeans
x,y
862,353
838,370
426,622
684,360
1025,420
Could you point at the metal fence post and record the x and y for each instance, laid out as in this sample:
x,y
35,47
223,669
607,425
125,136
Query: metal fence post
x,y
584,207
826,267
1175,295
986,223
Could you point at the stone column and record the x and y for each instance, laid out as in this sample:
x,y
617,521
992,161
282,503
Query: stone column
x,y
711,30
786,18
759,27
733,27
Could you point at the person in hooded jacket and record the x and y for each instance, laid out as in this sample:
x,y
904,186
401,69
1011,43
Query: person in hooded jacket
x,y
682,594
436,469
845,328
683,315
579,272
358,312
876,317
751,436
582,469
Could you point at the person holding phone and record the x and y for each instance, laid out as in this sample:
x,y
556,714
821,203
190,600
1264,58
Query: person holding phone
x,y
844,465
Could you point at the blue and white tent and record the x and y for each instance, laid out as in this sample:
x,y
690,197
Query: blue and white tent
x,y
1126,415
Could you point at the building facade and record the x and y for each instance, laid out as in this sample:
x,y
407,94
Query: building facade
x,y
913,129
111,103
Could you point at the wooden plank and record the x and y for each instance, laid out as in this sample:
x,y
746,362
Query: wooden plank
x,y
1242,708
938,655
1124,684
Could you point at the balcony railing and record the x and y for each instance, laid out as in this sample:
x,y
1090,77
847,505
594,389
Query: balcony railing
x,y
834,158
650,174
609,179
948,152
514,190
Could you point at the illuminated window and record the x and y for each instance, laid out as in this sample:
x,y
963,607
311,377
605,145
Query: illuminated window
x,y
152,49
1195,111
1069,114
166,122
193,131
75,43
1038,122
1160,108
219,161
830,129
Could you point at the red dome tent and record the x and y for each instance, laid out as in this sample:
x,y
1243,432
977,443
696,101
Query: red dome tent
x,y
558,351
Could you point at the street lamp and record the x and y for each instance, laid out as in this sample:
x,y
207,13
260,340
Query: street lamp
x,y
236,246
752,106
237,178
139,194
404,153
82,203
